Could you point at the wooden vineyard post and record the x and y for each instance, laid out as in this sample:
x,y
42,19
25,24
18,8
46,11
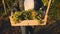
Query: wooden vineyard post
x,y
4,6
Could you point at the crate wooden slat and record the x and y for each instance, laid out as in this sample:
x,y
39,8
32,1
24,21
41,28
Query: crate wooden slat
x,y
26,23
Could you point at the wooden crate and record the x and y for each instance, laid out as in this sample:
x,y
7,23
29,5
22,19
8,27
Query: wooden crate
x,y
32,22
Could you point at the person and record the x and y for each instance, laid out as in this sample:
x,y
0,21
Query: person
x,y
15,7
27,29
31,5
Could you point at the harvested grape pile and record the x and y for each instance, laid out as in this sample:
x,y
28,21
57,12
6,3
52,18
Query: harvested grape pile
x,y
27,15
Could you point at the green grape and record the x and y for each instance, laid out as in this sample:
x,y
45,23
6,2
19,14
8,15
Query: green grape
x,y
27,15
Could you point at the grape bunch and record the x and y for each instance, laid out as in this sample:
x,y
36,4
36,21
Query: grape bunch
x,y
27,15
